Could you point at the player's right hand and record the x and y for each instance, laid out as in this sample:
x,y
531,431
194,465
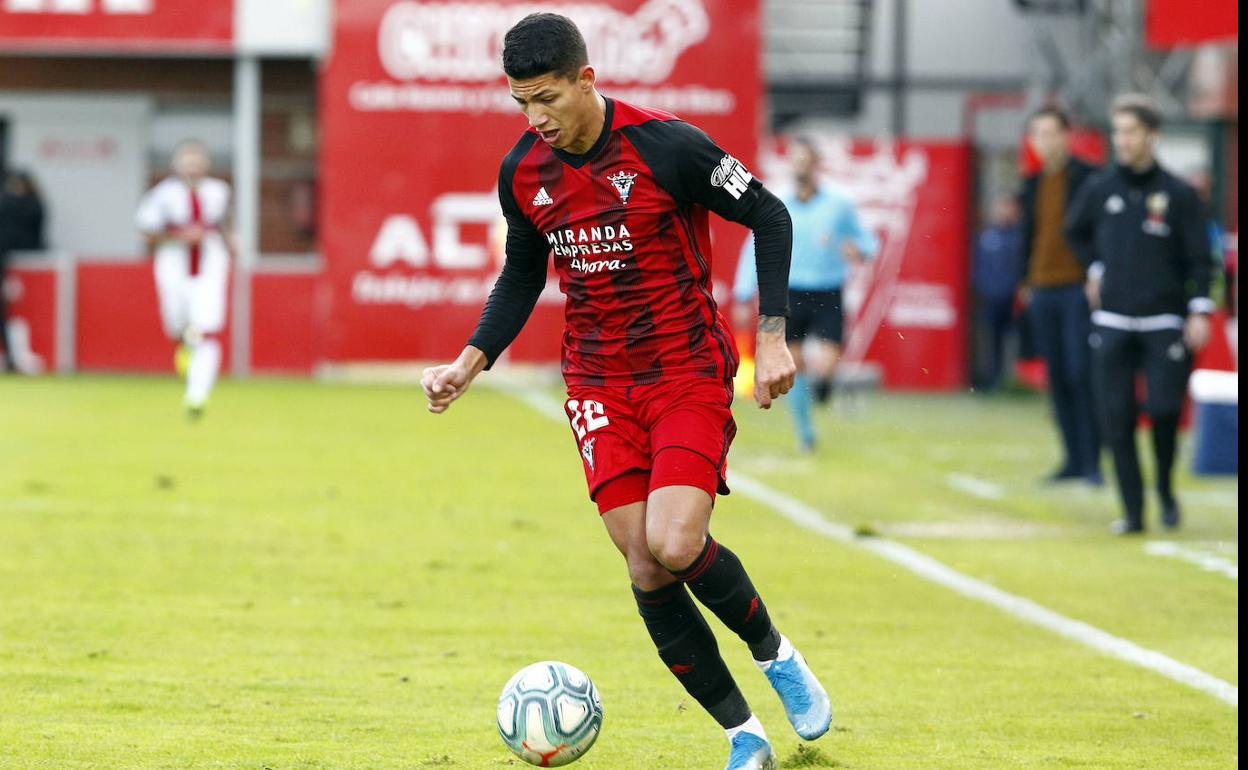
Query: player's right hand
x,y
443,384
774,369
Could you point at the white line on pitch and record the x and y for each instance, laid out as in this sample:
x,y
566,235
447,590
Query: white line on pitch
x,y
937,572
975,486
1206,561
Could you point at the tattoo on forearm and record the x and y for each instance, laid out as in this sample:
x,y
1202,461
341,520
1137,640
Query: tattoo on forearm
x,y
771,323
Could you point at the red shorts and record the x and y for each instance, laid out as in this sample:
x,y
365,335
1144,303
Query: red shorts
x,y
638,438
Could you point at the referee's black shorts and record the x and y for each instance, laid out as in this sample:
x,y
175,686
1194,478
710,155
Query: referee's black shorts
x,y
815,314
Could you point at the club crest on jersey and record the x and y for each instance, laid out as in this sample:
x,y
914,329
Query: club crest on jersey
x,y
1157,204
731,175
587,451
623,183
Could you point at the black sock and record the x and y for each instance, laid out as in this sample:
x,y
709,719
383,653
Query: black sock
x,y
1165,445
720,582
823,391
688,648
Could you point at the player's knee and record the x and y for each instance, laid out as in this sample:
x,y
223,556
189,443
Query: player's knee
x,y
677,550
646,573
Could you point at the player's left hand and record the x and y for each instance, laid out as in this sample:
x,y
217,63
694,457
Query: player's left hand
x,y
774,369
1196,332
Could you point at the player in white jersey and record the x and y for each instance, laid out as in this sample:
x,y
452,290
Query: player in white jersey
x,y
185,222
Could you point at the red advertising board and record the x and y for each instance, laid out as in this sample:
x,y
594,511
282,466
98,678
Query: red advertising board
x,y
114,318
31,291
416,118
283,327
118,320
117,25
1171,23
906,311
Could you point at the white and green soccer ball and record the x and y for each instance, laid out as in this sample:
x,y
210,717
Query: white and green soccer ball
x,y
549,714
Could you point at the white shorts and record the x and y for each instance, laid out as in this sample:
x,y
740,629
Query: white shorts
x,y
192,301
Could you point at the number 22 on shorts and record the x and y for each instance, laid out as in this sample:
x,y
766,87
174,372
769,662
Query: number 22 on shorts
x,y
587,416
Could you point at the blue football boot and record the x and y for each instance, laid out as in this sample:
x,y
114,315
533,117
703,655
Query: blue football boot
x,y
750,752
805,701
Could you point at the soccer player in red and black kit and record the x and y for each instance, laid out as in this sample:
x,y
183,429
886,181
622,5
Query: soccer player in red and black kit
x,y
621,195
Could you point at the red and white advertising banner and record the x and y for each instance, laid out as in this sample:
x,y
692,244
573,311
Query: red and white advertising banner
x,y
416,118
117,25
906,310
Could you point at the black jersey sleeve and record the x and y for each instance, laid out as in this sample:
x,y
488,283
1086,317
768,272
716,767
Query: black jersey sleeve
x,y
521,281
1080,224
696,171
1197,252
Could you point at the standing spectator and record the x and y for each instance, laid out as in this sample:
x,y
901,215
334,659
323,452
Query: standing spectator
x,y
1057,307
185,221
1145,236
827,237
996,273
21,227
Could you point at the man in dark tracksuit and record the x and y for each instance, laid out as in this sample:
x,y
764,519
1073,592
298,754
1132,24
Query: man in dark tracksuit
x,y
1143,234
1054,289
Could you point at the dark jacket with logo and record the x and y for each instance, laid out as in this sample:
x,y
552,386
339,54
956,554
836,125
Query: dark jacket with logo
x,y
21,223
1077,172
1150,233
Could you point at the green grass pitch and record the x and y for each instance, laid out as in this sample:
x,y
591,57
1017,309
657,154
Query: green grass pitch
x,y
325,576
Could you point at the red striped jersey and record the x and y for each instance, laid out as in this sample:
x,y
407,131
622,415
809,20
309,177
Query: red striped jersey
x,y
626,224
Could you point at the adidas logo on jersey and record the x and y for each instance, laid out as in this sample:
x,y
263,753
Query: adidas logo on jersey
x,y
542,198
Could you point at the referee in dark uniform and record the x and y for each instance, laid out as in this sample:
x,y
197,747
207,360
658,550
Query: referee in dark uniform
x,y
1143,234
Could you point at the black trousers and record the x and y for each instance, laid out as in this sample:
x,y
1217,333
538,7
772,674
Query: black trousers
x,y
9,361
1119,358
1060,325
995,322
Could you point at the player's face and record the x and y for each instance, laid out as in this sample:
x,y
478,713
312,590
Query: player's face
x,y
1047,136
560,109
804,162
191,162
1133,141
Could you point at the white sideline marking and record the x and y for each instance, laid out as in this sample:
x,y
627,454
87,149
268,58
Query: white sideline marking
x,y
975,486
937,572
1203,559
1025,609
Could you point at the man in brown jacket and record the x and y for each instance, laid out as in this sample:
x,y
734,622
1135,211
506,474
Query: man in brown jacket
x,y
1054,287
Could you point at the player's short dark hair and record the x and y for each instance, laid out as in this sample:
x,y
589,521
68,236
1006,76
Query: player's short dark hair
x,y
541,43
1056,113
1142,107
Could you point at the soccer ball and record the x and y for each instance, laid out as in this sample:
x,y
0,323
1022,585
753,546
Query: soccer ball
x,y
549,714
